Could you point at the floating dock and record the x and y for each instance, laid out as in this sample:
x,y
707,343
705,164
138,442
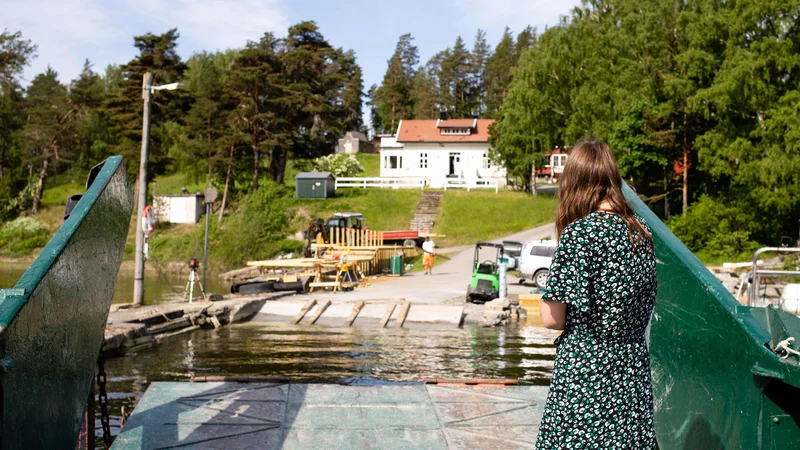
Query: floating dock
x,y
281,414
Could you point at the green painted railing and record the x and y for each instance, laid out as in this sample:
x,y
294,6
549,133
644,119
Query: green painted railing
x,y
717,383
52,322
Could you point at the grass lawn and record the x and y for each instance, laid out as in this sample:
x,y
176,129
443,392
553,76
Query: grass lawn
x,y
385,209
468,217
371,162
172,184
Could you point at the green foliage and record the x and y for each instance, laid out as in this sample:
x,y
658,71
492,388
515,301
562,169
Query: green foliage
x,y
22,236
713,84
255,230
715,230
394,98
339,164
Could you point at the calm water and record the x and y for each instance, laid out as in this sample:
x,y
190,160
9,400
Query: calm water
x,y
159,287
353,356
349,356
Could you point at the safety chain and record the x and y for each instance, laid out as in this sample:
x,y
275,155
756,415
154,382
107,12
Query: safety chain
x,y
102,399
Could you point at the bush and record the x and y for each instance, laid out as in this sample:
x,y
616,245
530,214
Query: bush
x,y
22,236
339,164
256,230
715,230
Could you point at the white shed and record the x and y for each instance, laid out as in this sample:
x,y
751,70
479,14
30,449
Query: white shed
x,y
179,208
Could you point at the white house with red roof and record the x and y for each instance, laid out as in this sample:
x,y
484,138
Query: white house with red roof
x,y
454,150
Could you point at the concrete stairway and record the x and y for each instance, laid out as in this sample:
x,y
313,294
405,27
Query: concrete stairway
x,y
427,207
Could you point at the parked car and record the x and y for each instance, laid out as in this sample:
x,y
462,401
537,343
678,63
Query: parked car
x,y
511,252
534,262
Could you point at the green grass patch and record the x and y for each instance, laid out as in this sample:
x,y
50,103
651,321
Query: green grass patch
x,y
172,184
22,236
58,195
385,209
371,163
468,217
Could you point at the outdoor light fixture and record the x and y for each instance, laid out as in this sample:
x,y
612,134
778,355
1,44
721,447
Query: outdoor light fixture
x,y
165,87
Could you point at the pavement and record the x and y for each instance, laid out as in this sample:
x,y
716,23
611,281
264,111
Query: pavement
x,y
448,282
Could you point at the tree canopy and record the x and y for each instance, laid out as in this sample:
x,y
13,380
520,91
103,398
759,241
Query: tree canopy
x,y
698,100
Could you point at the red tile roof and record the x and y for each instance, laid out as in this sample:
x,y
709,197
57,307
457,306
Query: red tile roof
x,y
427,131
455,123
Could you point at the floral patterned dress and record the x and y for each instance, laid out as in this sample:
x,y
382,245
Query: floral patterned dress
x,y
601,395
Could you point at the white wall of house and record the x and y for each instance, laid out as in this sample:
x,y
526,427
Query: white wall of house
x,y
437,162
179,208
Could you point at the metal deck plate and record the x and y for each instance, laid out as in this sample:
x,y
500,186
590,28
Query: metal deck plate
x,y
323,416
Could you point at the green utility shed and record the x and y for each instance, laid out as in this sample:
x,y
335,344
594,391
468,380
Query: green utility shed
x,y
315,185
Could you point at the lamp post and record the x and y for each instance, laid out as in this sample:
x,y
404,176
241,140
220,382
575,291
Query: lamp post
x,y
147,92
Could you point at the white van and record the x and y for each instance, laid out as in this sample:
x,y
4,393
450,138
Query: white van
x,y
534,262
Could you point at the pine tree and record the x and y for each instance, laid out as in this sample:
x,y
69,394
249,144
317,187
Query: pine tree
x,y
15,54
423,94
123,106
498,73
49,111
394,94
525,40
375,121
479,58
455,79
258,86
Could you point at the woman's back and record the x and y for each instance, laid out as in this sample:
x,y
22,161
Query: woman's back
x,y
620,277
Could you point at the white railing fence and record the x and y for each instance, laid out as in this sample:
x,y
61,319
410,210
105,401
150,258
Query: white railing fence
x,y
416,183
382,182
479,183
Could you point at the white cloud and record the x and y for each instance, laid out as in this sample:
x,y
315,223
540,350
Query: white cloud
x,y
69,31
516,14
217,24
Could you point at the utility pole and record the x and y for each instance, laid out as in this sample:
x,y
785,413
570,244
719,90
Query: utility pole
x,y
533,158
147,91
138,277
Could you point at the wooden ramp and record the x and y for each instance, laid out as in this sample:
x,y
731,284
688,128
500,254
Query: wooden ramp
x,y
271,415
378,314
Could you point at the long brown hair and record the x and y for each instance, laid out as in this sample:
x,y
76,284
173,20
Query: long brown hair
x,y
591,176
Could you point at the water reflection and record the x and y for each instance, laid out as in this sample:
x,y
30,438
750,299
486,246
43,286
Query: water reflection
x,y
352,356
159,287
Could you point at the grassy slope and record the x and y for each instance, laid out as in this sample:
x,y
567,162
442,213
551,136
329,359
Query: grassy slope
x,y
467,217
371,163
172,184
385,209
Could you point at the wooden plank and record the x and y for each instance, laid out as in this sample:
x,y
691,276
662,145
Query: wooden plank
x,y
386,317
325,284
307,307
401,319
354,313
321,309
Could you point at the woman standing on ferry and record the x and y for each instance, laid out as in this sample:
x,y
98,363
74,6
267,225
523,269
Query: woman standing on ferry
x,y
601,291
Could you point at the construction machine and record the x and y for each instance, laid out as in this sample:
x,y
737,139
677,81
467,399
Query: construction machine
x,y
485,283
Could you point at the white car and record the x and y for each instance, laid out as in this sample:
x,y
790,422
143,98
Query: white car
x,y
535,260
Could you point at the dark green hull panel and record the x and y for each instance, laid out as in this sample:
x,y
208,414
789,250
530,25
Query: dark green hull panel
x,y
52,323
716,382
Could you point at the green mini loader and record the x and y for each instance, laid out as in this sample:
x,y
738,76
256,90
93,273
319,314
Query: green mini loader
x,y
485,283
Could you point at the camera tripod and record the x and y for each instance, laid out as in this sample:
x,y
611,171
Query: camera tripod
x,y
189,289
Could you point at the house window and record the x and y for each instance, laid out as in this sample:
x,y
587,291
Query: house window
x,y
487,163
456,131
392,162
423,160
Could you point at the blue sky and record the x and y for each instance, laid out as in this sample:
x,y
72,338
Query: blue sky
x,y
69,31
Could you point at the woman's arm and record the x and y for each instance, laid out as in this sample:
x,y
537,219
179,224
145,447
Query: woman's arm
x,y
554,314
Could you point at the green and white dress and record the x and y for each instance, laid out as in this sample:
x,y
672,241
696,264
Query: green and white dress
x,y
601,395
